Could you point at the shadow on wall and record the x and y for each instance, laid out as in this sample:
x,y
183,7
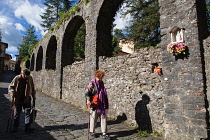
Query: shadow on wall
x,y
142,114
121,118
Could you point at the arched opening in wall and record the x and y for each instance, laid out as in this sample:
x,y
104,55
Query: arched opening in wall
x,y
128,26
73,44
79,44
39,59
105,47
32,63
73,41
27,64
104,27
51,54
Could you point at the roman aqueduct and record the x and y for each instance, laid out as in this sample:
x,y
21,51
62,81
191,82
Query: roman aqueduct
x,y
174,103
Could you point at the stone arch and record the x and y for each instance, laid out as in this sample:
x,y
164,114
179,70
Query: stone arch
x,y
32,63
51,54
104,27
68,40
39,59
104,39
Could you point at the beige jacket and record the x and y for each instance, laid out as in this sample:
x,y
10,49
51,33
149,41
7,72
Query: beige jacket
x,y
15,89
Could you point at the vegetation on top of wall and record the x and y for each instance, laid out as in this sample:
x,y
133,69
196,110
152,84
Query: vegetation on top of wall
x,y
36,46
66,15
148,47
52,11
157,45
85,1
71,13
76,8
51,28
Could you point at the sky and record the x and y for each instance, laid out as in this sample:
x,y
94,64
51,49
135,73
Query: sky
x,y
16,15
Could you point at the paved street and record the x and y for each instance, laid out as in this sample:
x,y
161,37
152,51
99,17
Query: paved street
x,y
56,120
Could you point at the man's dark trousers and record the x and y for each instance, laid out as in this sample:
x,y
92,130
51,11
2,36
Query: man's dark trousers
x,y
17,112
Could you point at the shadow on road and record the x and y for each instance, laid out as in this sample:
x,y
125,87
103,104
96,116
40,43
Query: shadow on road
x,y
114,135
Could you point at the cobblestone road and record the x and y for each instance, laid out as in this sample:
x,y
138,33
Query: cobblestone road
x,y
57,120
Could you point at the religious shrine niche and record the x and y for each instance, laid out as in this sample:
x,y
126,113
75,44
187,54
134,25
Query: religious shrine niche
x,y
177,34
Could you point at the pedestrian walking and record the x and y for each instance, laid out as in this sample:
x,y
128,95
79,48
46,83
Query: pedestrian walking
x,y
97,102
22,90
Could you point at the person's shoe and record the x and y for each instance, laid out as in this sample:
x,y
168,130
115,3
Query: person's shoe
x,y
92,135
105,137
15,129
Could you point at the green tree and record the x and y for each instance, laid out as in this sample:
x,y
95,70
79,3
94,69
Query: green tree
x,y
117,35
28,43
53,10
66,5
144,28
79,42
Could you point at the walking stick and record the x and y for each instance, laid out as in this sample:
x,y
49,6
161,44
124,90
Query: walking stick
x,y
11,115
89,125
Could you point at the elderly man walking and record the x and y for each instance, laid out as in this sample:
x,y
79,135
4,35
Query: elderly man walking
x,y
22,90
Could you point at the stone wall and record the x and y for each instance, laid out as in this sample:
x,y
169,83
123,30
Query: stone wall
x,y
207,67
125,77
73,87
45,81
184,77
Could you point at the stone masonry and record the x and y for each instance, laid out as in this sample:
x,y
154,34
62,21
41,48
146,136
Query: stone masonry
x,y
174,103
184,80
207,68
57,120
125,77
